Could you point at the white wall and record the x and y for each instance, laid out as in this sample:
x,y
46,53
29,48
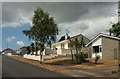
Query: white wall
x,y
32,57
97,42
99,54
58,46
66,45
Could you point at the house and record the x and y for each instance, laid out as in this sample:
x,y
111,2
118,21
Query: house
x,y
0,52
22,50
8,51
104,45
63,47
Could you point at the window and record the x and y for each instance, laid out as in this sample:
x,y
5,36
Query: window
x,y
62,45
84,45
96,49
54,47
100,49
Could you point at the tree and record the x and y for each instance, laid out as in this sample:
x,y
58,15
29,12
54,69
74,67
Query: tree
x,y
81,43
32,47
77,43
71,45
115,30
44,29
28,50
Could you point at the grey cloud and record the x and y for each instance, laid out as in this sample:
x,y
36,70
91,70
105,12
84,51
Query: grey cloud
x,y
76,16
63,12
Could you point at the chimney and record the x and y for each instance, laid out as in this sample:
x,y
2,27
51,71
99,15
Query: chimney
x,y
66,36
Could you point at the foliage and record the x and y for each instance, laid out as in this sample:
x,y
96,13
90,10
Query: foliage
x,y
32,45
79,57
44,29
71,45
113,72
119,8
78,44
115,30
28,50
115,26
96,59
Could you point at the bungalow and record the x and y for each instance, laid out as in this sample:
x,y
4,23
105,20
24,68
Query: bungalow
x,y
63,46
8,51
107,47
22,50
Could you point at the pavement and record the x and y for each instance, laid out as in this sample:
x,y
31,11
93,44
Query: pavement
x,y
98,72
15,68
95,72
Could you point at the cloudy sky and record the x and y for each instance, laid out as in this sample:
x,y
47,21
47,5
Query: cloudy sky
x,y
87,18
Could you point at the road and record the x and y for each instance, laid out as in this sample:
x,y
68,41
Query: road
x,y
15,68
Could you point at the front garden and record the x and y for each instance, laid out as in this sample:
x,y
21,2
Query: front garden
x,y
83,62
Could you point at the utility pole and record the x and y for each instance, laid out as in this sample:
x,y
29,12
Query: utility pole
x,y
7,44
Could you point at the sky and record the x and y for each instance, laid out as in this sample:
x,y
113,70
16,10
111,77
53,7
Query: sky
x,y
87,18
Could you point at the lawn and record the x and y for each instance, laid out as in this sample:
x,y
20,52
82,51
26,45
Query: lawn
x,y
89,63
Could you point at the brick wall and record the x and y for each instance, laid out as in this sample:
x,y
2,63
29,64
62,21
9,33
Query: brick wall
x,y
109,46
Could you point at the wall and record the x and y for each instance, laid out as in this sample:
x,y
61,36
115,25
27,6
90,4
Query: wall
x,y
32,57
97,42
108,46
50,51
67,51
58,45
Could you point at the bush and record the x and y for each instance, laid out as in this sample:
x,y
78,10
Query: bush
x,y
113,72
79,57
96,59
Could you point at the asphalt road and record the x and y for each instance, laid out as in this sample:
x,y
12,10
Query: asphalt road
x,y
15,68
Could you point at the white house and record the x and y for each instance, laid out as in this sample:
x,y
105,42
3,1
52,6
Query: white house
x,y
63,47
105,46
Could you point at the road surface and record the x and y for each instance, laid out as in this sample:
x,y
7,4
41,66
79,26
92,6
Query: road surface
x,y
15,68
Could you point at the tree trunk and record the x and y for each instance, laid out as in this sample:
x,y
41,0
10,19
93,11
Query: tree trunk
x,y
71,54
36,52
40,57
76,49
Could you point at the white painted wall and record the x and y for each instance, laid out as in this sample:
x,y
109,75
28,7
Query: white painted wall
x,y
58,46
97,42
66,45
99,54
32,57
59,51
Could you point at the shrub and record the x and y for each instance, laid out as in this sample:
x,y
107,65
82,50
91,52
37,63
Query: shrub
x,y
113,72
96,59
79,57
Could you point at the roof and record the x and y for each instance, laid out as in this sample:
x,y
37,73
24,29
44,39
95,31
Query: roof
x,y
8,49
60,42
24,47
103,35
76,36
69,39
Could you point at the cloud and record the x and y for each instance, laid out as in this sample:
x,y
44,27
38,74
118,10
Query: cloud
x,y
20,43
10,38
74,18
